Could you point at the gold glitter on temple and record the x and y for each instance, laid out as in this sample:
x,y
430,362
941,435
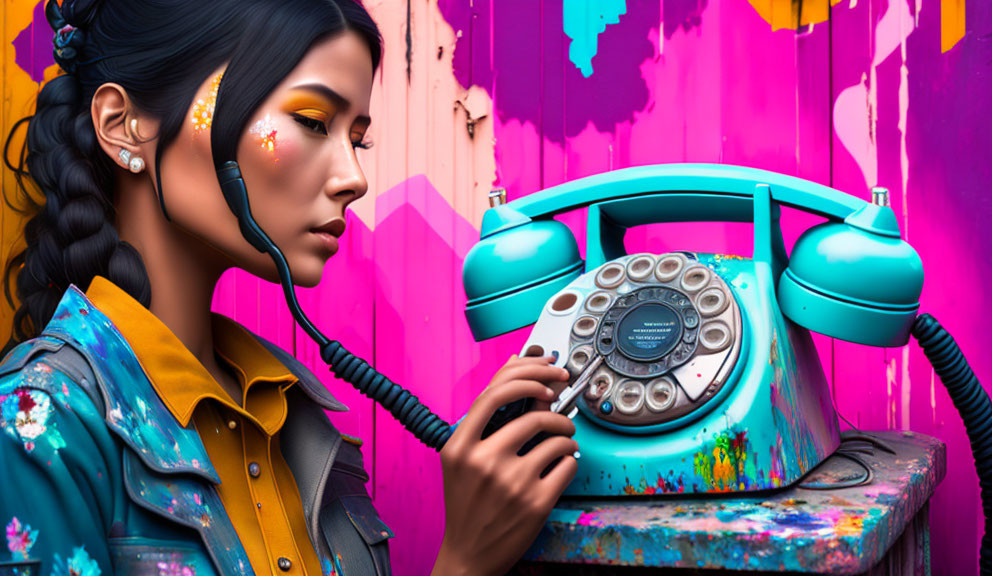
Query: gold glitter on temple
x,y
203,109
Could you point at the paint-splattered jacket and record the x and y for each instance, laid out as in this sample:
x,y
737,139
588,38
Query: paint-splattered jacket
x,y
97,476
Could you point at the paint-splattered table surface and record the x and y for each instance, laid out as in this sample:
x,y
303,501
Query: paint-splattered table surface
x,y
842,530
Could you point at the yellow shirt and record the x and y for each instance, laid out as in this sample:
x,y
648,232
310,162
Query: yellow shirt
x,y
257,487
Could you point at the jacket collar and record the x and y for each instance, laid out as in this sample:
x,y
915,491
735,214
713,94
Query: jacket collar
x,y
132,408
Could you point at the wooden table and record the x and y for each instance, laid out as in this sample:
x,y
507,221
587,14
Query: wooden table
x,y
879,528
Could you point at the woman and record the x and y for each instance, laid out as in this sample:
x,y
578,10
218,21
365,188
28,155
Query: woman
x,y
144,434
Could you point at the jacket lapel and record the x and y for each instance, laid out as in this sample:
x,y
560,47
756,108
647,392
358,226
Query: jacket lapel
x,y
189,501
310,384
309,444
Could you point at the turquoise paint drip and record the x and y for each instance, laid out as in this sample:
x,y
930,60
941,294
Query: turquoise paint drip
x,y
584,21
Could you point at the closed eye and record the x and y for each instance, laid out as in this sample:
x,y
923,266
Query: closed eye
x,y
311,124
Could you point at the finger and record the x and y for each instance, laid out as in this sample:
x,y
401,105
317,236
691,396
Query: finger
x,y
509,370
519,360
536,360
518,431
557,480
533,371
546,452
493,398
557,387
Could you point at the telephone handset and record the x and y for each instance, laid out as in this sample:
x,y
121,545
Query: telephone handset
x,y
855,264
693,372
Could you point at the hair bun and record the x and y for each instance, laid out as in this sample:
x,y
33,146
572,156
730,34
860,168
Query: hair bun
x,y
67,21
75,13
80,12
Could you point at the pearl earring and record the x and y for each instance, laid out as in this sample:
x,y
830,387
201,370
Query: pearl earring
x,y
134,164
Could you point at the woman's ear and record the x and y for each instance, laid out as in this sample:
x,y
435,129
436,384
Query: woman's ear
x,y
119,125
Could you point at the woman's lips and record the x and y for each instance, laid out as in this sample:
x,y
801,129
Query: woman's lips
x,y
329,232
329,241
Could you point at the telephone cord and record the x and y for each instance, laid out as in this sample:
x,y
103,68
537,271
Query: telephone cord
x,y
974,405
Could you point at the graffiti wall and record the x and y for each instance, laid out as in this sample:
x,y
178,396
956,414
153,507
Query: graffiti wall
x,y
522,94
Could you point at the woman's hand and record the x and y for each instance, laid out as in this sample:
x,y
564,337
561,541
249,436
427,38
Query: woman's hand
x,y
495,501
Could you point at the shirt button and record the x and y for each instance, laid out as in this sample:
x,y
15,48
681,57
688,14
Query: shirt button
x,y
254,469
284,564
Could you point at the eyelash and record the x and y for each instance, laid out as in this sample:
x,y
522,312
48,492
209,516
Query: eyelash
x,y
310,123
317,126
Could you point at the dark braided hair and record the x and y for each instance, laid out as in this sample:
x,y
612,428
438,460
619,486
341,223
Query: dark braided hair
x,y
160,52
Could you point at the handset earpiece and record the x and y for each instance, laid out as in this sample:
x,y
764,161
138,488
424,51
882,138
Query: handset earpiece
x,y
232,185
855,280
515,269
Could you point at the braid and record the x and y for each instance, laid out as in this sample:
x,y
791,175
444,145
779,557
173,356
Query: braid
x,y
72,238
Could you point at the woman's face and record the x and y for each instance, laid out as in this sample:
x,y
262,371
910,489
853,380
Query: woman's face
x,y
298,158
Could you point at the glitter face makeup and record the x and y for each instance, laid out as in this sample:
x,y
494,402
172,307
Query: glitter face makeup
x,y
266,131
203,108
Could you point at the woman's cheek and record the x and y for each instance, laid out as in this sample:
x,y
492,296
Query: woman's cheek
x,y
274,144
287,152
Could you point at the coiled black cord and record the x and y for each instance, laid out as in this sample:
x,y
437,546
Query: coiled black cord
x,y
974,405
428,427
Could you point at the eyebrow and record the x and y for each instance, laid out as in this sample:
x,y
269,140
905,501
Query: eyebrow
x,y
330,95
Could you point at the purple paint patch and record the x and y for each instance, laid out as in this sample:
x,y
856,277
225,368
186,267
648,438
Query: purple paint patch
x,y
33,46
683,14
607,98
470,22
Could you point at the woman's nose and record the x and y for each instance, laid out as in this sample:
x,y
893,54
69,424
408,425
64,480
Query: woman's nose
x,y
347,179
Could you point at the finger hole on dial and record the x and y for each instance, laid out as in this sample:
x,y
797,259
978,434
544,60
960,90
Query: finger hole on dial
x,y
599,302
610,276
639,268
668,268
695,278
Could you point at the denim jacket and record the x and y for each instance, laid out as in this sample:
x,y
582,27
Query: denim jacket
x,y
98,477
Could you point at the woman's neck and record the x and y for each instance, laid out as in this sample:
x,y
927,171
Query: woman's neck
x,y
183,272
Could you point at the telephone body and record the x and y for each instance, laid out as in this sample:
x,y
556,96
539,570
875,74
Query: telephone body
x,y
699,371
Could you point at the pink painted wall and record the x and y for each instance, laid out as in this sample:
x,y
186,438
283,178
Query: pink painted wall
x,y
485,92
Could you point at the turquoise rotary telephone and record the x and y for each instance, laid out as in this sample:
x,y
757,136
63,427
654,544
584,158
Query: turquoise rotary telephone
x,y
693,373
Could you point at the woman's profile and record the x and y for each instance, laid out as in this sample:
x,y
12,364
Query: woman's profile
x,y
143,434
